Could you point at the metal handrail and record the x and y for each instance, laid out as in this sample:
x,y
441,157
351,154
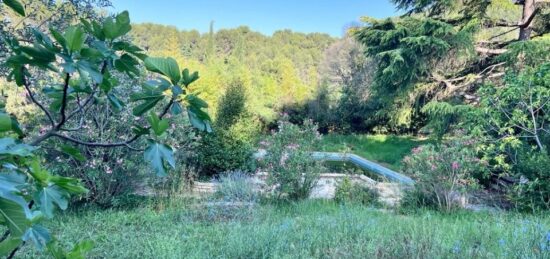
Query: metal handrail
x,y
364,164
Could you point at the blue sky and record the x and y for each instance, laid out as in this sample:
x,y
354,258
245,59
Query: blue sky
x,y
266,16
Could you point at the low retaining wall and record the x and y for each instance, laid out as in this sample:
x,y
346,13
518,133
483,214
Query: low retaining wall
x,y
389,193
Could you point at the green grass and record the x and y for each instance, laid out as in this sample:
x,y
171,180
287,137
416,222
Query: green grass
x,y
388,150
311,229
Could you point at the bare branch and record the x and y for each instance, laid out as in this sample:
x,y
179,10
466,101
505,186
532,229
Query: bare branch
x,y
64,101
26,84
167,108
503,33
88,100
96,144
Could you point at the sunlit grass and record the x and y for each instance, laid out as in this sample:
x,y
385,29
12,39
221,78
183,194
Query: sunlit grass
x,y
388,150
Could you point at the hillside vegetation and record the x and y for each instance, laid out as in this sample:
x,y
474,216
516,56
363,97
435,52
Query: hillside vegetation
x,y
109,129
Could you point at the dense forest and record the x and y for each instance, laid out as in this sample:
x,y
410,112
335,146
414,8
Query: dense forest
x,y
275,70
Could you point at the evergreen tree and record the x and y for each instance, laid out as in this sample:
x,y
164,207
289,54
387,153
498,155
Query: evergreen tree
x,y
441,49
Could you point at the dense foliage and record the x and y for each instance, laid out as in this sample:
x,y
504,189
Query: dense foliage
x,y
85,101
274,70
443,50
513,120
349,192
231,145
443,175
286,155
81,67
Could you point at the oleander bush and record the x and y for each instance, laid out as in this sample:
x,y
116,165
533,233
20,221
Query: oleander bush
x,y
443,174
292,172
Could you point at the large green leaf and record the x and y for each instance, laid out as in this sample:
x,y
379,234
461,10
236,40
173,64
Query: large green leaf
x,y
91,53
11,185
116,103
164,66
113,29
140,131
40,55
187,78
49,197
16,6
17,74
79,250
195,101
73,152
157,155
38,235
127,64
123,21
40,175
15,127
11,182
130,48
108,83
59,38
8,146
74,37
87,69
14,216
5,122
159,126
69,184
199,119
8,245
176,109
146,106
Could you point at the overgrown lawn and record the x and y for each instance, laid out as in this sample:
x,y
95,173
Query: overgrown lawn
x,y
311,229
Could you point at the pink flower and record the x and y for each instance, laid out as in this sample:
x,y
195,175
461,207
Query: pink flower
x,y
455,165
434,167
284,157
417,150
293,146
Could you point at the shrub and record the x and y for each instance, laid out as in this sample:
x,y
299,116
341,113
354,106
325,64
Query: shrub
x,y
532,192
107,180
231,106
236,187
292,171
221,152
234,199
349,192
443,174
74,78
512,119
230,147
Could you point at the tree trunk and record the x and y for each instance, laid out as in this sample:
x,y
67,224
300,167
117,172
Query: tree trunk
x,y
528,11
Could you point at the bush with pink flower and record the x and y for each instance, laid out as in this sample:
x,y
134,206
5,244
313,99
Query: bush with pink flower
x,y
292,171
443,174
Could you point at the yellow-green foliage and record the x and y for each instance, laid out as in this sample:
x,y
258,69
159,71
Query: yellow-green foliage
x,y
16,102
275,71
